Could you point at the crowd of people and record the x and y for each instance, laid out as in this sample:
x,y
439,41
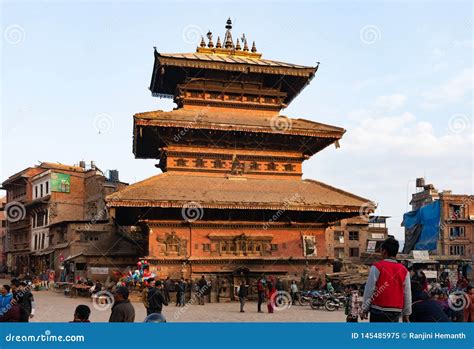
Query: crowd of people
x,y
395,292
392,292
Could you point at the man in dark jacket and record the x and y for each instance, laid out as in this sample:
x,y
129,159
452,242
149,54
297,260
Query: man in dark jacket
x,y
167,288
13,312
24,298
202,290
243,293
156,298
425,309
122,310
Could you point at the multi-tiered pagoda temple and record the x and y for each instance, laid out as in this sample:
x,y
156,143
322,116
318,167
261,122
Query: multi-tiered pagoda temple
x,y
231,202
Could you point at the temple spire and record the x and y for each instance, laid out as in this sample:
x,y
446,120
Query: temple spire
x,y
218,44
203,43
254,48
209,36
228,42
237,44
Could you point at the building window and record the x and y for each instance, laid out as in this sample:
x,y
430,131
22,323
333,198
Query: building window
x,y
456,250
271,166
339,236
456,232
47,187
289,167
180,162
456,211
254,166
36,191
218,163
354,235
199,162
274,247
338,252
206,247
354,252
224,247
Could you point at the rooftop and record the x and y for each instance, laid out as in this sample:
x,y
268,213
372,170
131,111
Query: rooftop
x,y
170,190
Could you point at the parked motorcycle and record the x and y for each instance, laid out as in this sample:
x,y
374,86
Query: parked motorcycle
x,y
334,302
305,297
318,300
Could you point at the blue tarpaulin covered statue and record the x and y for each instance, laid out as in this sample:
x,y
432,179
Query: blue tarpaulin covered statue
x,y
422,227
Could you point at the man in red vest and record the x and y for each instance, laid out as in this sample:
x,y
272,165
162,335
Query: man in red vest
x,y
387,294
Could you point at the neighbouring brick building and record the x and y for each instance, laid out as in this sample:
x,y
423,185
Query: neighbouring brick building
x,y
353,238
231,203
57,221
455,236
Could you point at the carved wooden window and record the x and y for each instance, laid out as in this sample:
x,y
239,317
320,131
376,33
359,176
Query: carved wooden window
x,y
258,248
199,162
180,162
271,166
255,166
274,247
218,163
289,167
206,247
224,247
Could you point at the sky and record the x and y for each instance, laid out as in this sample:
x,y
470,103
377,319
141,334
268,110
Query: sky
x,y
397,75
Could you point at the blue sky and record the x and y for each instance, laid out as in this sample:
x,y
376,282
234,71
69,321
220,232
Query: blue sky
x,y
396,75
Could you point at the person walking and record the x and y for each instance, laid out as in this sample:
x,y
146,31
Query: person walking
x,y
387,293
271,293
156,298
25,299
261,293
353,301
167,288
122,310
202,290
242,293
148,284
294,292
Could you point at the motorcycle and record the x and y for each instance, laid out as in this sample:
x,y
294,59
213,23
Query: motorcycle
x,y
334,302
318,300
305,297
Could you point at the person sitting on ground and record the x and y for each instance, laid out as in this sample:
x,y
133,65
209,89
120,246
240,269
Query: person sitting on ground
x,y
82,313
425,309
122,310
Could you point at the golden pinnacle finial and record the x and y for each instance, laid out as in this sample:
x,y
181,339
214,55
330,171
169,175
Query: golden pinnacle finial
x,y
237,44
203,43
218,44
254,48
209,36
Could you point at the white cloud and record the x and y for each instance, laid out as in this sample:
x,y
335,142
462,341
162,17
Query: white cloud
x,y
390,102
451,91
